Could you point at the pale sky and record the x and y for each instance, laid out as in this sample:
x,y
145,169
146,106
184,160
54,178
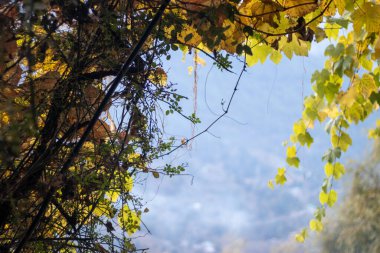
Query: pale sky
x,y
227,196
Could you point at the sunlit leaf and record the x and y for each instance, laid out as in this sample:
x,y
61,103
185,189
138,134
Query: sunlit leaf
x,y
368,16
316,225
280,177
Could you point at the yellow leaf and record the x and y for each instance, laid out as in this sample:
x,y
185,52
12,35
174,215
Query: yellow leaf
x,y
129,220
332,111
98,211
332,31
291,151
300,237
376,55
128,185
260,52
270,184
339,170
112,195
89,146
366,63
291,157
340,5
333,196
345,141
134,157
347,99
365,85
4,118
299,127
200,61
316,225
299,8
323,197
295,46
281,171
50,64
280,177
263,11
276,57
328,198
375,133
368,16
329,7
329,169
159,77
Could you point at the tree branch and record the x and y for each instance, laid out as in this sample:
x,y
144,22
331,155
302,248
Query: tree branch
x,y
77,148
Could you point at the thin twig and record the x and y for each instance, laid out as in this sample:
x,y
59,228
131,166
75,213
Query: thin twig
x,y
103,104
225,112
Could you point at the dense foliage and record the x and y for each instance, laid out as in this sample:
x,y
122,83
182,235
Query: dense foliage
x,y
64,190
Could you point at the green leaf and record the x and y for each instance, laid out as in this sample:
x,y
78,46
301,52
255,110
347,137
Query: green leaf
x,y
375,97
320,213
320,78
328,156
155,174
334,51
330,91
340,21
343,141
305,139
280,177
276,57
293,161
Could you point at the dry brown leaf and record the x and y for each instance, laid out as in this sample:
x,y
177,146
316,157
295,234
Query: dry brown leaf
x,y
93,95
376,55
100,131
13,75
47,82
196,5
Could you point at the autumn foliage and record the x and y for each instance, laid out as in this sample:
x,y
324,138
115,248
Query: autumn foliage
x,y
57,62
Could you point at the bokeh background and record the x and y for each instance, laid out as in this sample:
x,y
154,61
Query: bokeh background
x,y
223,203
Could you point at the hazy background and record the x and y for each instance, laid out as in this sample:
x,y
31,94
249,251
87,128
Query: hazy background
x,y
224,205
